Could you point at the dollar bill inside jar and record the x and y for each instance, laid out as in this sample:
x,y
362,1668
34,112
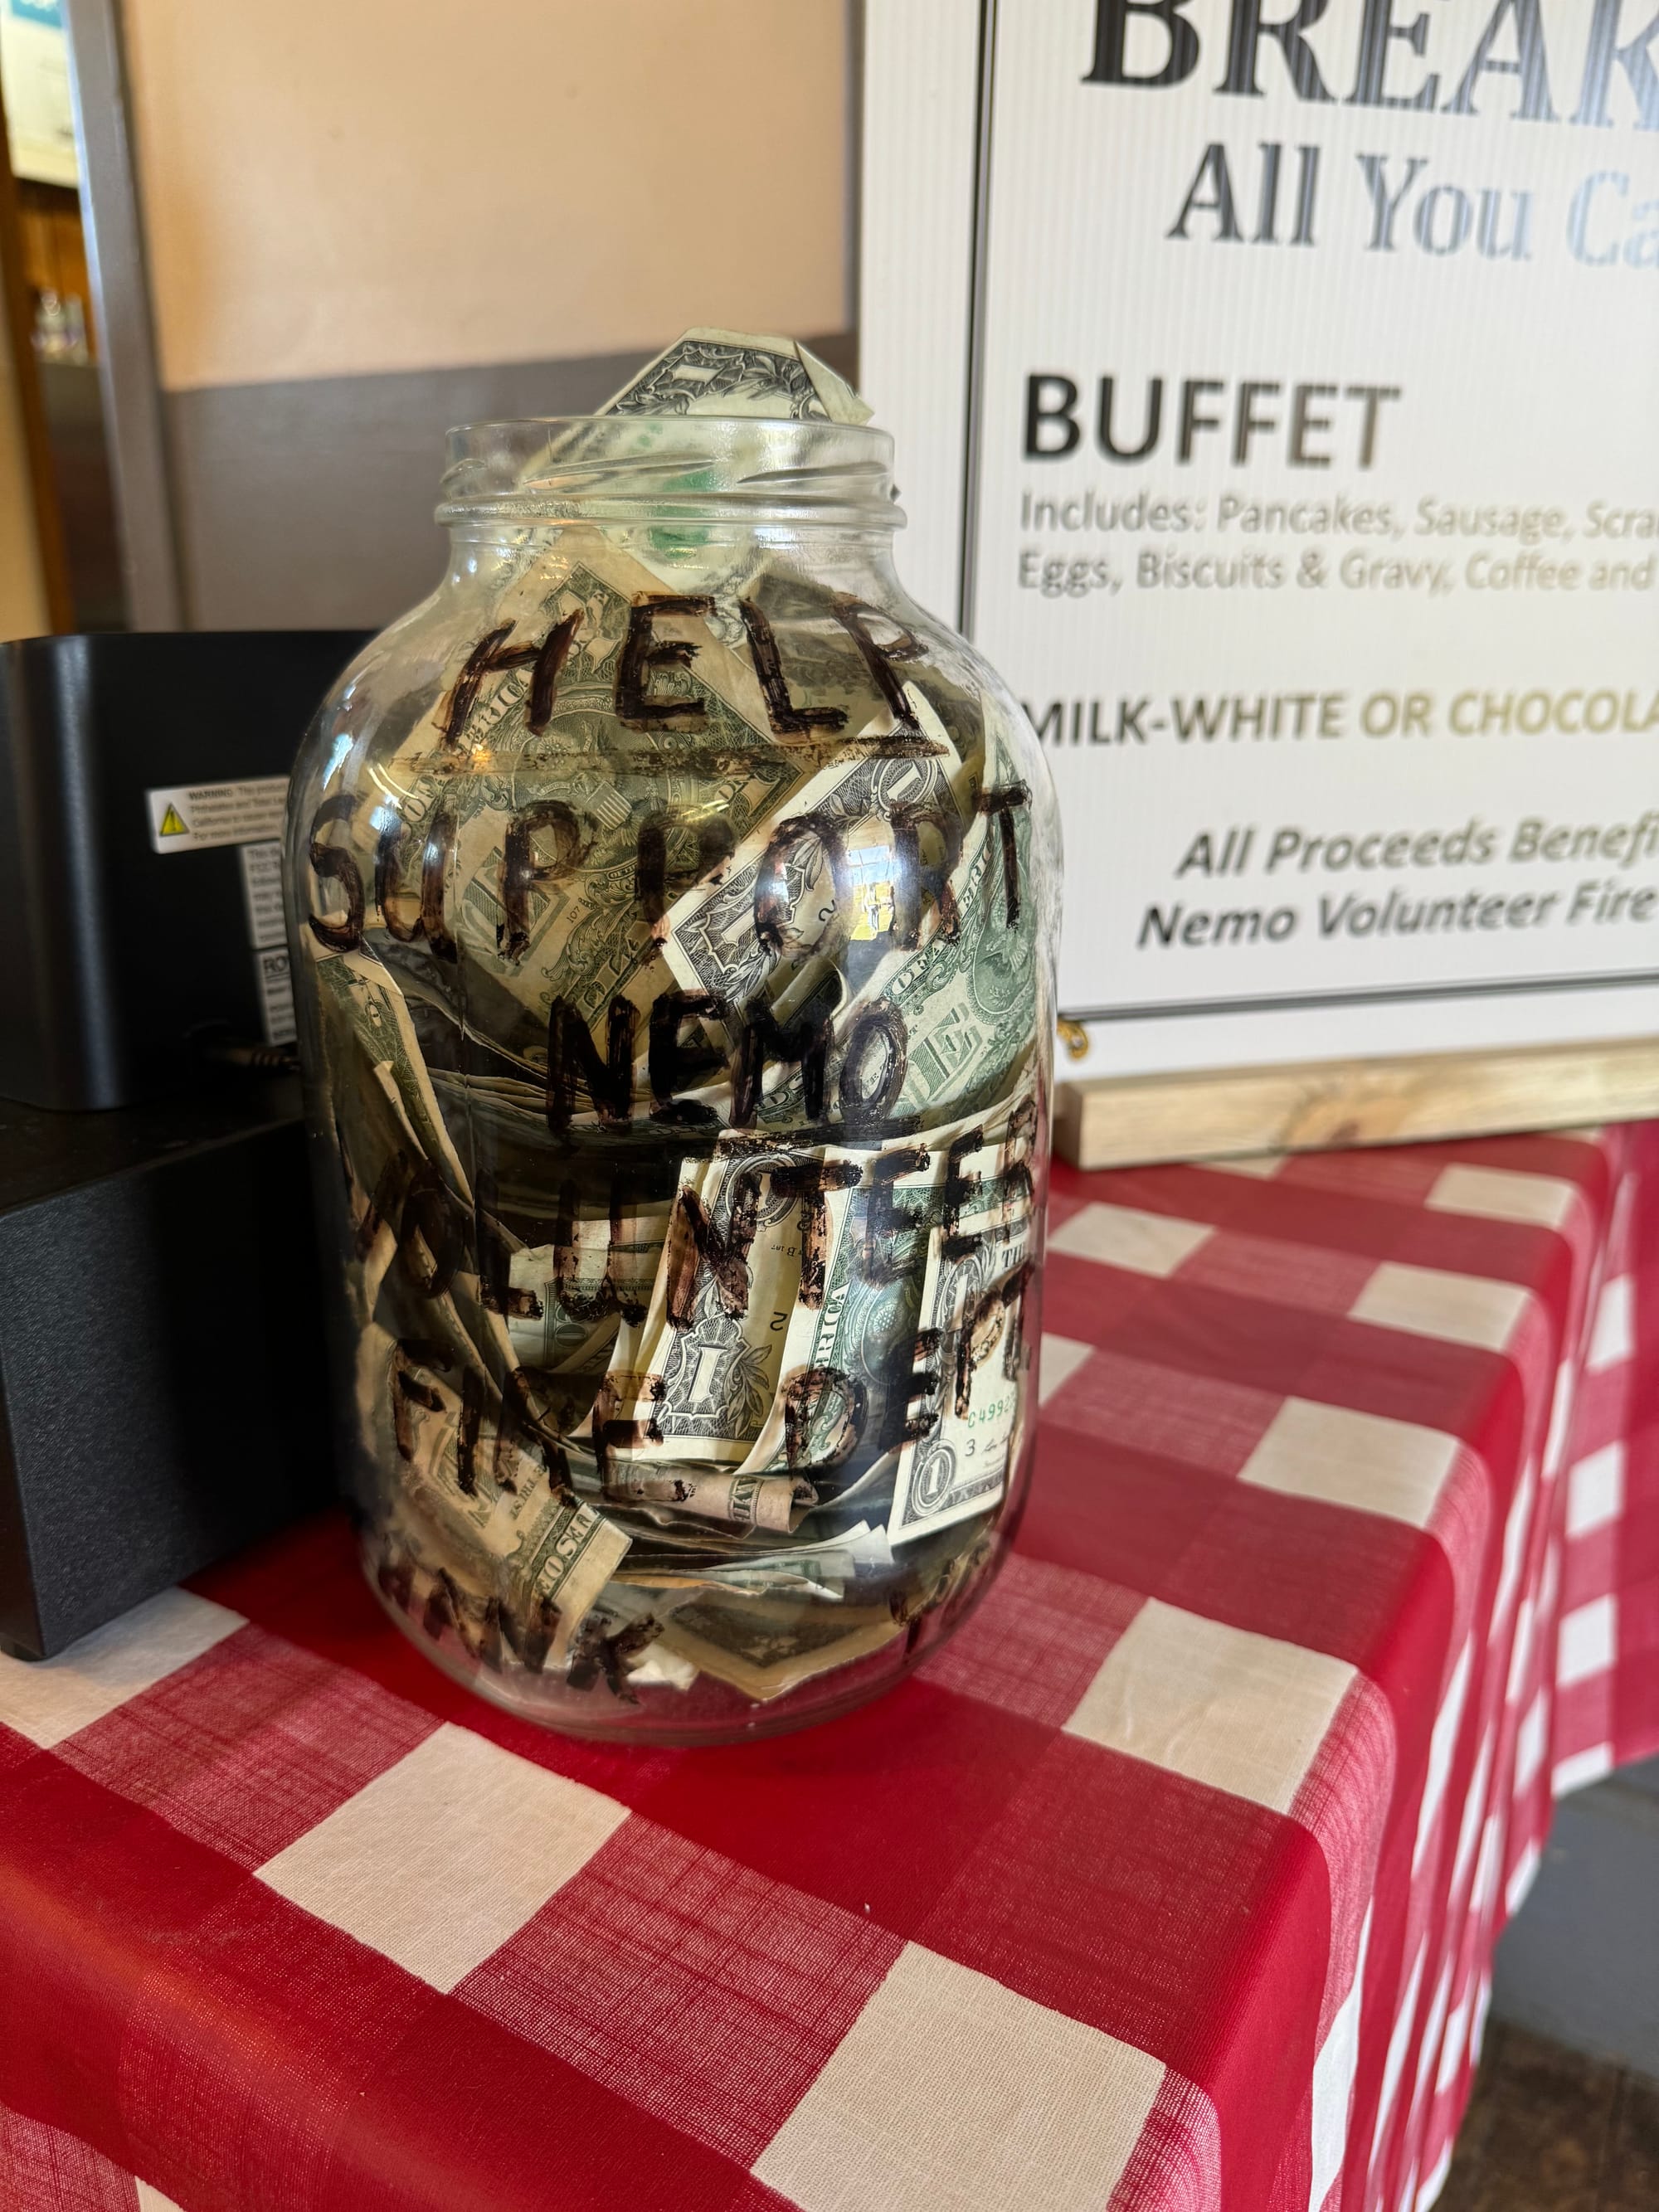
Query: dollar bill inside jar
x,y
676,945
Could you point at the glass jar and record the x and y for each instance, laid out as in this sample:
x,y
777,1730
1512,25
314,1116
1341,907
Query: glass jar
x,y
672,903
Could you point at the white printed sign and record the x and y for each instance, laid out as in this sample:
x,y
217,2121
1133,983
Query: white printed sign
x,y
1276,391
39,108
262,891
262,894
186,817
276,980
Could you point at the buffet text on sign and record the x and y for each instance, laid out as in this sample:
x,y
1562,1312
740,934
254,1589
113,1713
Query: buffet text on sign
x,y
1288,373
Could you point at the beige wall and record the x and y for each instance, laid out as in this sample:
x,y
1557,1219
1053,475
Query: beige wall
x,y
333,187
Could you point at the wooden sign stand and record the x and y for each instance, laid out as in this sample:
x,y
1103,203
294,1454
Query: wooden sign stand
x,y
1108,1122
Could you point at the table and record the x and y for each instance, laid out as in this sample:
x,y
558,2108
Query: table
x,y
1170,1884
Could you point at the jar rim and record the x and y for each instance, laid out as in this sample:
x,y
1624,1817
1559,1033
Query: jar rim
x,y
749,470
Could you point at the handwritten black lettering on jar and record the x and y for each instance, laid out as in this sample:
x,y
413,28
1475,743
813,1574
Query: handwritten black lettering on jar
x,y
999,807
960,1190
872,1067
604,1298
887,1225
444,1607
466,1435
538,1646
521,872
1024,1133
437,854
875,1051
787,719
409,1356
609,1434
655,880
389,855
921,1406
385,1201
803,1043
394,1577
696,1242
492,654
571,1058
883,661
995,1319
674,1066
805,1396
683,1063
518,1420
495,1292
651,871
806,1182
907,823
333,864
771,891
430,1239
644,653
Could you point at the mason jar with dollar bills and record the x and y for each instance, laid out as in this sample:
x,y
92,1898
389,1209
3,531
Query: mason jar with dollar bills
x,y
671,905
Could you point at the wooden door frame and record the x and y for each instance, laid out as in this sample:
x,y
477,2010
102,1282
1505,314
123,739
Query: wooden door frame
x,y
134,431
19,327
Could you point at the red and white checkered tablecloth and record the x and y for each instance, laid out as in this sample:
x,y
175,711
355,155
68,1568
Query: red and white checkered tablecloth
x,y
1170,1884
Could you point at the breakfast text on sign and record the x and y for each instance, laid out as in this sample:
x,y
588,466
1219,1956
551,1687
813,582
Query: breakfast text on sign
x,y
1310,478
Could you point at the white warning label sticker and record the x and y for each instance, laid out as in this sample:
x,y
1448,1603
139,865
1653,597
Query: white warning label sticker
x,y
262,889
262,892
186,817
276,993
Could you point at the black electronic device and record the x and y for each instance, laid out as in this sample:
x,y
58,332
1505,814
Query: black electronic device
x,y
161,1392
161,1396
141,786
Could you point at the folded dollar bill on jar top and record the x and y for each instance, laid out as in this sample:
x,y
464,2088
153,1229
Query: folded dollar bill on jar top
x,y
730,373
